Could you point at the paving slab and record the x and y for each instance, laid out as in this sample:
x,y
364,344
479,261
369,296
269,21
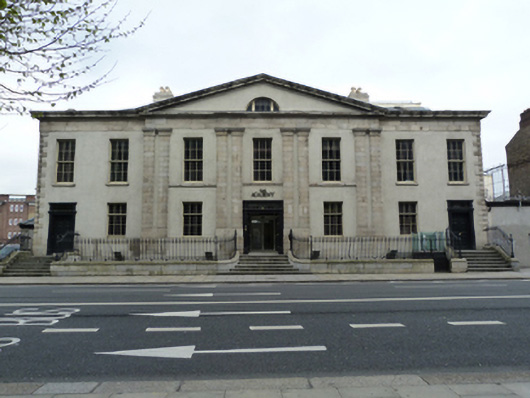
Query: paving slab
x,y
18,388
314,393
521,389
368,392
253,394
138,395
115,387
80,396
367,381
479,390
67,388
245,384
197,394
426,391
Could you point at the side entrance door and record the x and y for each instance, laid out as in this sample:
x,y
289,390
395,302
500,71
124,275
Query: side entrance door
x,y
61,228
461,222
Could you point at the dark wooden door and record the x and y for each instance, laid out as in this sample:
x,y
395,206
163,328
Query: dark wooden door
x,y
61,229
461,223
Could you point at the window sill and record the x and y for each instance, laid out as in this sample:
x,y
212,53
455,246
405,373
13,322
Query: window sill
x,y
407,183
63,185
329,184
458,183
117,184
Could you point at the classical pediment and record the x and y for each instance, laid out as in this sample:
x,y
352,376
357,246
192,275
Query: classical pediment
x,y
236,96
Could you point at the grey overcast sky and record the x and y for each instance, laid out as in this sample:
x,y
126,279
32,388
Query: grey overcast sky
x,y
451,54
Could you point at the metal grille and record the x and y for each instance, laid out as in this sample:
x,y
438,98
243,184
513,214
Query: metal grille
x,y
405,160
262,159
117,219
193,159
331,159
65,160
119,160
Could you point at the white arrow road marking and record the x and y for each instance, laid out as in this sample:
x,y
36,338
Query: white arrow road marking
x,y
280,327
224,294
195,314
476,323
7,341
376,325
72,330
188,351
192,329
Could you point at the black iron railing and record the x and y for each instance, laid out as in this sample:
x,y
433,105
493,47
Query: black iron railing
x,y
454,241
501,239
159,249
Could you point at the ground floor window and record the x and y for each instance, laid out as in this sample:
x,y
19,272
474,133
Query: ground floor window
x,y
192,218
407,218
332,218
117,219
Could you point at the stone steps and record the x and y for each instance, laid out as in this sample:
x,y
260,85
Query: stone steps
x,y
263,265
27,265
486,260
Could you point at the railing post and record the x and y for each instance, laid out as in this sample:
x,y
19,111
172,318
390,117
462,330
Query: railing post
x,y
310,247
511,246
235,241
291,240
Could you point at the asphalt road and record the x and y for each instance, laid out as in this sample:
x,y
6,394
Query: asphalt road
x,y
144,332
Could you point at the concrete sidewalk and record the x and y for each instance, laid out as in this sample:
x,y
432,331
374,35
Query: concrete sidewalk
x,y
384,386
289,278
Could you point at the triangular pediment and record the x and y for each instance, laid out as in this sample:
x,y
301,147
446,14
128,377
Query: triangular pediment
x,y
236,95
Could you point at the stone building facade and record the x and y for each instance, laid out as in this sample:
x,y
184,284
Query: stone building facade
x,y
260,156
518,159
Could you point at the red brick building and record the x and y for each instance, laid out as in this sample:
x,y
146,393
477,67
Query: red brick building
x,y
13,210
518,157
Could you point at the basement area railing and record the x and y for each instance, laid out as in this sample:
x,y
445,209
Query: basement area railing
x,y
160,249
501,239
365,247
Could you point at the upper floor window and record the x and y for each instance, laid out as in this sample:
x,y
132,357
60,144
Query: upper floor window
x,y
192,159
405,160
262,104
117,214
455,160
11,207
331,159
332,218
192,218
119,160
262,159
65,160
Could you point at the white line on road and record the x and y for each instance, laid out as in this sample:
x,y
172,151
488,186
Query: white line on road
x,y
188,351
476,323
448,286
86,330
264,302
280,327
224,294
191,329
195,314
376,325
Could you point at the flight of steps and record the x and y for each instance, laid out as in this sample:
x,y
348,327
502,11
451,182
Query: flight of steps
x,y
485,260
25,264
263,265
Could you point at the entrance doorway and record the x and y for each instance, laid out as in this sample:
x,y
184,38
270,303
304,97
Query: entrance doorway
x,y
461,222
61,228
263,226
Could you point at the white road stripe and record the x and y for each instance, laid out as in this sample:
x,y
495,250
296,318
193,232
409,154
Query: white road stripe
x,y
264,302
281,327
376,325
224,294
191,329
476,323
72,330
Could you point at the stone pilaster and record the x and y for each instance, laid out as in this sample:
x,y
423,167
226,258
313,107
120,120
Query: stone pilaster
x,y
368,178
155,187
481,211
39,232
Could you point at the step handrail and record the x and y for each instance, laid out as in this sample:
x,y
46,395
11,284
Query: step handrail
x,y
501,239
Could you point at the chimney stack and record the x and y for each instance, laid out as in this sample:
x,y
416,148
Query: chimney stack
x,y
525,119
358,95
164,94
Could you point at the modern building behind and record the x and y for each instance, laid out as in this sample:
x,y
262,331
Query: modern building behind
x,y
259,156
14,209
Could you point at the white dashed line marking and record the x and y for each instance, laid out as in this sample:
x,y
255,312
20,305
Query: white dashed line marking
x,y
376,325
191,329
280,327
476,323
86,330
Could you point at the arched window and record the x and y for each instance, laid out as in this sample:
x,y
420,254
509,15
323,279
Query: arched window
x,y
262,104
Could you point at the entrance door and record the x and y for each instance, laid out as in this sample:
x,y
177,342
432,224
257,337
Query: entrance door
x,y
263,226
262,233
61,228
461,222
